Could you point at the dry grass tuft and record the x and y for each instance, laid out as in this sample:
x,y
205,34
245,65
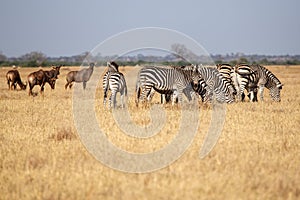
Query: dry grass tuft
x,y
34,162
63,134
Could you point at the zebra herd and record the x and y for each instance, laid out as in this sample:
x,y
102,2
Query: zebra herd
x,y
223,83
253,78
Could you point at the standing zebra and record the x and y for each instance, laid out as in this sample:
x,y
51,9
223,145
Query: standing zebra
x,y
219,88
265,78
166,80
241,78
114,81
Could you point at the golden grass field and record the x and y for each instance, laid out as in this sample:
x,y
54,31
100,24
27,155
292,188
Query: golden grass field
x,y
257,155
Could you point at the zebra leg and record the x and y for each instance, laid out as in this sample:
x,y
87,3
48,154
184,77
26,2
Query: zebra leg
x,y
179,97
84,85
122,99
251,95
174,97
162,98
165,98
150,95
261,92
243,96
104,98
255,95
113,100
145,92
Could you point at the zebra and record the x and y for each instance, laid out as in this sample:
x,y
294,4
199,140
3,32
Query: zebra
x,y
166,80
201,89
265,78
166,97
115,81
242,76
219,88
226,70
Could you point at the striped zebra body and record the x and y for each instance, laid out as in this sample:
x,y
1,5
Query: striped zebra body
x,y
200,88
241,78
114,81
226,70
166,80
265,78
219,88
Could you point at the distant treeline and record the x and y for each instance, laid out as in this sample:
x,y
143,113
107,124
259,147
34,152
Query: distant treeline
x,y
136,63
36,59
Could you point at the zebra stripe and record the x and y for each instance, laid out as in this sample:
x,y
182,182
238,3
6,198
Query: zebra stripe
x,y
166,80
219,88
226,70
265,78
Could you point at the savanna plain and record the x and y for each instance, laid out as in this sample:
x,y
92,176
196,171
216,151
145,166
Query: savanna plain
x,y
42,157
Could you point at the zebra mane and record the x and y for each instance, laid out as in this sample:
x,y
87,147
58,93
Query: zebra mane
x,y
113,66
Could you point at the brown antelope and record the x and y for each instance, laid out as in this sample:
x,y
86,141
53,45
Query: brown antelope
x,y
83,76
42,77
13,78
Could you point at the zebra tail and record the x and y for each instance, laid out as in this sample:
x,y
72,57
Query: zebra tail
x,y
125,90
138,94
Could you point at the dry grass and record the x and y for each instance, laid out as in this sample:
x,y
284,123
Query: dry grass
x,y
257,155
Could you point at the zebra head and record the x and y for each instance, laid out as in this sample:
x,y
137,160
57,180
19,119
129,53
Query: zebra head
x,y
227,93
223,89
275,92
232,92
113,66
202,90
274,85
196,76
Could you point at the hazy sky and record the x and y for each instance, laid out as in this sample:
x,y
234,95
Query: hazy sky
x,y
70,27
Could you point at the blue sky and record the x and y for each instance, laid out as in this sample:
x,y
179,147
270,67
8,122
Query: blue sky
x,y
65,28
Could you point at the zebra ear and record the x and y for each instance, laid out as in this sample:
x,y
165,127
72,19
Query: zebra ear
x,y
195,67
279,86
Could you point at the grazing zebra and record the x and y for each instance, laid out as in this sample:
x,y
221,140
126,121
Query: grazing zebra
x,y
265,78
166,80
219,88
241,78
199,88
114,81
226,70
